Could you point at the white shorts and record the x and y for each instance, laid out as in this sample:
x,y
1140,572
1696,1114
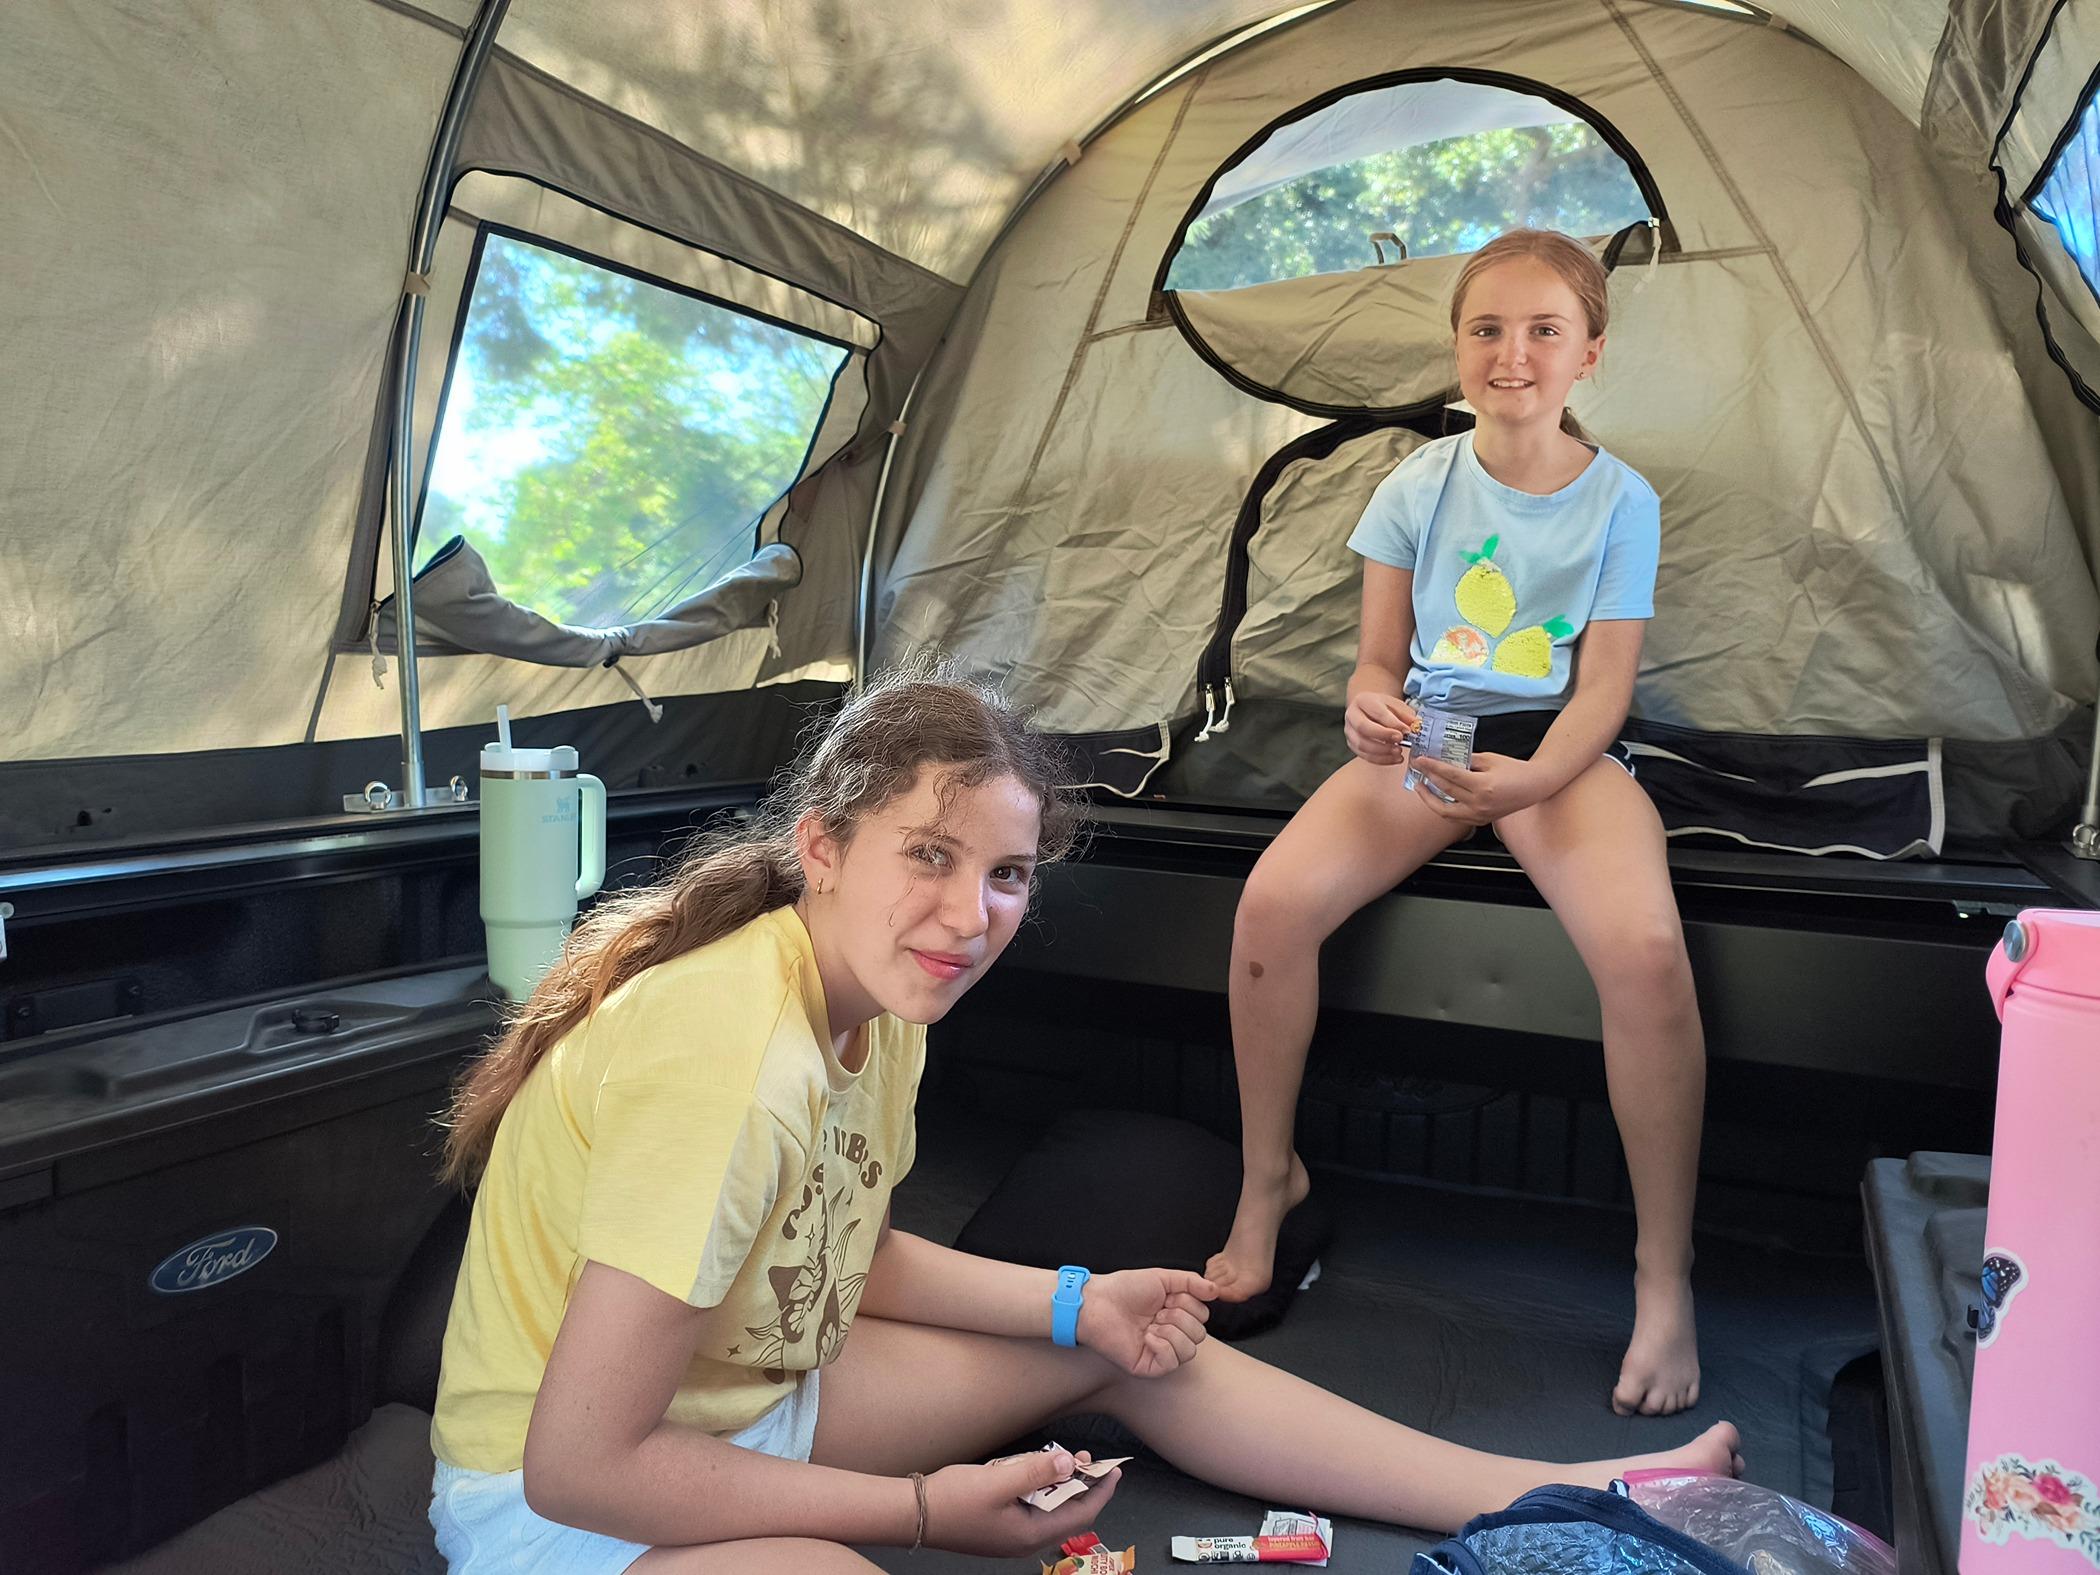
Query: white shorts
x,y
484,1525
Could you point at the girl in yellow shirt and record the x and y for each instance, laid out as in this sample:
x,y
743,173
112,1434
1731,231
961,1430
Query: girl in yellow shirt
x,y
684,1337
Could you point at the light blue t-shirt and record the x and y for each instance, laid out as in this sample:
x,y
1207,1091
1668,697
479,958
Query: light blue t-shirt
x,y
1506,581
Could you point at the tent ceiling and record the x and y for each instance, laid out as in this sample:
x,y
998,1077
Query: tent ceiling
x,y
918,126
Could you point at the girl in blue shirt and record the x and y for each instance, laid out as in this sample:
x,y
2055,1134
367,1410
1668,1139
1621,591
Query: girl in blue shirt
x,y
1508,572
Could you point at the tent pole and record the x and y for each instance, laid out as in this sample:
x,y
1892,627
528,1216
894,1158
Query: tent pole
x,y
2085,837
863,609
430,208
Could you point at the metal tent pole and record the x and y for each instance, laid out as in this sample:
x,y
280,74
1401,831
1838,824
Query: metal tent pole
x,y
430,208
863,606
2085,837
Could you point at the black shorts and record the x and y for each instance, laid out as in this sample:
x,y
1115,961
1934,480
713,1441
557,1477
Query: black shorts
x,y
1518,734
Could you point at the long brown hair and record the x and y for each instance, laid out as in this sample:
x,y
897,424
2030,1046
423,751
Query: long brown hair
x,y
849,768
1578,268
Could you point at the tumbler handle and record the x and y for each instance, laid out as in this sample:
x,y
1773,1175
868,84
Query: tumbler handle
x,y
591,859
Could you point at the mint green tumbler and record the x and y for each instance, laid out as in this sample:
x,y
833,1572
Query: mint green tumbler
x,y
542,852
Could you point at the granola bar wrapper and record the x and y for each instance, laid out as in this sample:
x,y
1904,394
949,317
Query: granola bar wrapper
x,y
1085,1555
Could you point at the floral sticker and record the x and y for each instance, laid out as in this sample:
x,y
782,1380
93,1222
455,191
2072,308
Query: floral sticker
x,y
2041,1500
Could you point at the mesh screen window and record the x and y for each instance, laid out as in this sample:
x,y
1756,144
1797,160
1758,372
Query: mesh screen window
x,y
610,444
2067,198
1443,165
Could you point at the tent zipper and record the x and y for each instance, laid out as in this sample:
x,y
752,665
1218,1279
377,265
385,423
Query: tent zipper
x,y
1214,666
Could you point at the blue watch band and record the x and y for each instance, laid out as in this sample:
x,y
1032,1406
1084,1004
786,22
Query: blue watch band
x,y
1065,1303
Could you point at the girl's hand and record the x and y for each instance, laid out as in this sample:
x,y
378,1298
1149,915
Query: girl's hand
x,y
978,1509
1145,1321
1497,785
1375,723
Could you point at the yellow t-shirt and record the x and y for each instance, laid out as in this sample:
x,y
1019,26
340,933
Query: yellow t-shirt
x,y
697,1131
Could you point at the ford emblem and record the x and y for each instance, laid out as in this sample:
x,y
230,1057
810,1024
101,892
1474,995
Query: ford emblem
x,y
203,1264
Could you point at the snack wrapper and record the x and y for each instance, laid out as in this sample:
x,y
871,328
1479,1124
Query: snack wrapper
x,y
1085,1555
1083,1476
1447,736
1307,1548
1299,1523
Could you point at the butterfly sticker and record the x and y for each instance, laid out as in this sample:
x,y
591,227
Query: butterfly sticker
x,y
2003,1277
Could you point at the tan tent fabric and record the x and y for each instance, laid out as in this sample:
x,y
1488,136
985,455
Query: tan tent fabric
x,y
527,206
1982,54
1378,338
1863,530
208,204
1303,583
914,125
1891,43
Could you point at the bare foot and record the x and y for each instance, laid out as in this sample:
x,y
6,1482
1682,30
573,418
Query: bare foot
x,y
1246,1264
1716,1449
1660,1374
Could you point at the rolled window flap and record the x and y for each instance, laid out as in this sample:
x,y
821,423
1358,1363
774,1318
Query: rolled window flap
x,y
459,610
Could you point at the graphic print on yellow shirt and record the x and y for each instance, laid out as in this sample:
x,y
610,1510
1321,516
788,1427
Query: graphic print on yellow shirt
x,y
826,1221
698,1132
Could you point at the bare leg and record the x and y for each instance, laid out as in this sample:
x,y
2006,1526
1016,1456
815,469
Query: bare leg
x,y
1595,851
1357,837
766,1556
903,1397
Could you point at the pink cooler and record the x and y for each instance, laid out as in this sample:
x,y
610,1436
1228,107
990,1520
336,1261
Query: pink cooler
x,y
2030,1501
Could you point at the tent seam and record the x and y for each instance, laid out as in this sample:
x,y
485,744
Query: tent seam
x,y
1108,279
1750,220
416,13
1128,328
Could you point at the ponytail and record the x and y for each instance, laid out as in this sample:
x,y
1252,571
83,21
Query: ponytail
x,y
725,884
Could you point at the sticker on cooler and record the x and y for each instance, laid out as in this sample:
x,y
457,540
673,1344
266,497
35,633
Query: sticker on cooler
x,y
2041,1500
2004,1277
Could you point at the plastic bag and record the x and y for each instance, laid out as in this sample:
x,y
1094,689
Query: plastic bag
x,y
1759,1528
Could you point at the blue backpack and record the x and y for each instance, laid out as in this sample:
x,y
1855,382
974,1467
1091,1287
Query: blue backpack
x,y
1572,1531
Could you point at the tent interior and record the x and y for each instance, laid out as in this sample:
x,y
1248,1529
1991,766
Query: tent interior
x,y
658,371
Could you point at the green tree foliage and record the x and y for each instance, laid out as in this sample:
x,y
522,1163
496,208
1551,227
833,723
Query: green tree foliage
x,y
1438,197
629,437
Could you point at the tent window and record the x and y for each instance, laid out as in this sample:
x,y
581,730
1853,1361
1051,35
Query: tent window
x,y
2070,194
608,443
1444,165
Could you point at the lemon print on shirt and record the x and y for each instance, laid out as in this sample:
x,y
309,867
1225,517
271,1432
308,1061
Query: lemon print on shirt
x,y
1485,597
1529,652
1488,603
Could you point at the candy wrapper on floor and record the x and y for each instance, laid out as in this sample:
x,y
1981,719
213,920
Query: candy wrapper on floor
x,y
1300,1523
1085,1555
1763,1530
